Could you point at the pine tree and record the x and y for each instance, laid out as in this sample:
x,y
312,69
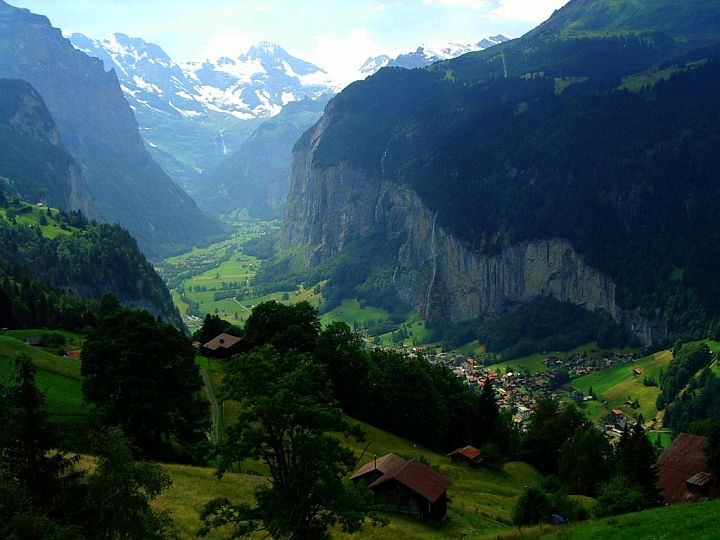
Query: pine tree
x,y
488,412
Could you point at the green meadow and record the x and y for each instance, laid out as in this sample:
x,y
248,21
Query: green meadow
x,y
57,376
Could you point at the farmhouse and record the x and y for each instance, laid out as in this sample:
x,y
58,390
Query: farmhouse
x,y
467,455
415,489
373,470
74,355
683,470
225,346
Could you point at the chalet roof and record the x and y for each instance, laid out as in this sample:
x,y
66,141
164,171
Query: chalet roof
x,y
684,458
417,477
223,341
700,479
383,464
617,411
75,355
468,451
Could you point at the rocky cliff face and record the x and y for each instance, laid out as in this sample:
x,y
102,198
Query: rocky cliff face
x,y
36,164
435,272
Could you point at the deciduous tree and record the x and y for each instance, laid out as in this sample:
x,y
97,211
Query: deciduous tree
x,y
141,375
287,421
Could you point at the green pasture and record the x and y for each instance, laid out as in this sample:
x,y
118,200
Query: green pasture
x,y
697,521
351,311
58,377
618,384
534,362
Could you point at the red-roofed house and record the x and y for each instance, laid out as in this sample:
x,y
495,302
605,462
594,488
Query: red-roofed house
x,y
683,470
225,346
74,355
413,488
373,470
467,455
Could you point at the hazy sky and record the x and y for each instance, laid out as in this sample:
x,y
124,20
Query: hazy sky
x,y
328,33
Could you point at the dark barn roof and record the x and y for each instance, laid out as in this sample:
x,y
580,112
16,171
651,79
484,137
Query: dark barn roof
x,y
683,459
223,341
417,477
383,464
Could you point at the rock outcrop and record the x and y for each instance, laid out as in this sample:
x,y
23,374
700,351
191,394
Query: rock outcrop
x,y
36,165
435,272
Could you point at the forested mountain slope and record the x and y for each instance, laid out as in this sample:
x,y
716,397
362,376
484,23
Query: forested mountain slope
x,y
575,162
44,250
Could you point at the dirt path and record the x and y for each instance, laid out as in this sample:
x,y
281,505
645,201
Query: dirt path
x,y
214,434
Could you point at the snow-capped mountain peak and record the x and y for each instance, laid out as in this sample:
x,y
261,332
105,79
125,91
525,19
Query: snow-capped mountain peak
x,y
425,55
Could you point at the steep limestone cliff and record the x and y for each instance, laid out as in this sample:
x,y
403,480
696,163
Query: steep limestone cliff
x,y
36,165
435,272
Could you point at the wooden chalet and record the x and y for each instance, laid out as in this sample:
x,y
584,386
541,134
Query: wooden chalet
x,y
225,346
406,487
74,355
683,470
467,455
373,470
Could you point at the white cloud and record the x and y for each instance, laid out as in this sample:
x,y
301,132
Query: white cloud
x,y
342,57
231,45
469,4
534,11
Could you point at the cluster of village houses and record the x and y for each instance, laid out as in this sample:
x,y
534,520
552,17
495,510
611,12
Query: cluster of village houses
x,y
520,390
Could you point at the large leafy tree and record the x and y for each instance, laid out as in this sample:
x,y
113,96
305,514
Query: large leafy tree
x,y
548,429
119,493
285,327
585,460
287,421
141,375
339,349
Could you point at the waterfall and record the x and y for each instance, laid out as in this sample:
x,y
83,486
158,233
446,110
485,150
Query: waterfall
x,y
433,262
222,141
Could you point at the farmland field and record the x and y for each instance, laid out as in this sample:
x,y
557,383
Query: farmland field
x,y
618,384
57,376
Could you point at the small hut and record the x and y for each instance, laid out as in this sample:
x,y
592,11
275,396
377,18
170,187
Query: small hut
x,y
467,455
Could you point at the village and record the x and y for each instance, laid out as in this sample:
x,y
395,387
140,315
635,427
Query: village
x,y
519,390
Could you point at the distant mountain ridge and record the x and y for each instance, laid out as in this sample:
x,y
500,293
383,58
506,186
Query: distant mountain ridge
x,y
425,55
193,115
100,132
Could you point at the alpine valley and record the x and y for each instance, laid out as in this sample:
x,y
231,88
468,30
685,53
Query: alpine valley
x,y
466,289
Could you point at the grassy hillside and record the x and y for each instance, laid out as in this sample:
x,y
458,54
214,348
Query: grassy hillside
x,y
697,521
57,376
617,384
481,500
